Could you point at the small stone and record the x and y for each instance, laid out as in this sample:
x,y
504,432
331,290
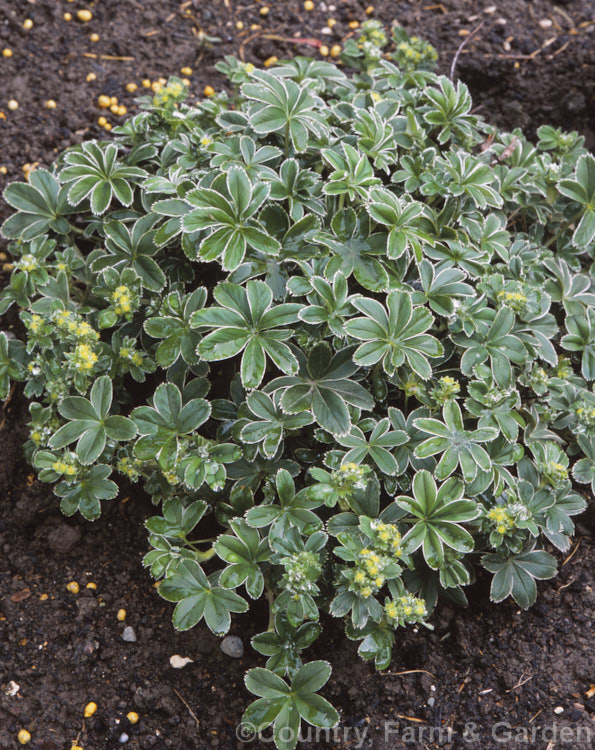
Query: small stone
x,y
178,662
123,739
232,646
63,538
431,702
545,23
558,710
12,689
128,634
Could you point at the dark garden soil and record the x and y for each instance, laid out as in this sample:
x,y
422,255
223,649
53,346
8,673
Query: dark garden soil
x,y
528,64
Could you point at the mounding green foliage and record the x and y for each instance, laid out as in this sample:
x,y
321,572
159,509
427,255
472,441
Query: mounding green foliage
x,y
337,323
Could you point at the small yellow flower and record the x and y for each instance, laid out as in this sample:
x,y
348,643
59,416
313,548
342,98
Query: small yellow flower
x,y
420,608
132,717
209,91
73,587
24,737
121,616
90,709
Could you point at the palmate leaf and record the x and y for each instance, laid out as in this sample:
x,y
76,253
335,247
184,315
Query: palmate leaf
x,y
376,447
271,422
581,190
330,303
284,107
583,470
248,322
132,247
228,208
90,424
323,386
458,446
197,599
496,343
163,423
400,219
41,205
174,328
94,173
394,334
294,510
284,644
515,575
356,250
178,519
243,551
581,338
87,492
11,363
285,706
437,515
353,174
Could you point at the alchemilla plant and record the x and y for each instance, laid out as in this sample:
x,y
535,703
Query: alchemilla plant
x,y
340,329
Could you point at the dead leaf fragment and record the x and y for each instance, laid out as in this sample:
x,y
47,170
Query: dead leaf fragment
x,y
20,596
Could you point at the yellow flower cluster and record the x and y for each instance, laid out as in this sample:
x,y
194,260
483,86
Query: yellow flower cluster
x,y
349,477
35,323
586,417
515,300
28,263
122,300
446,389
501,520
563,369
367,576
388,538
170,93
40,434
131,355
130,467
554,473
71,323
84,358
61,467
171,477
412,53
405,609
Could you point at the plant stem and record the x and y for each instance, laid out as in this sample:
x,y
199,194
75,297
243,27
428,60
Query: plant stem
x,y
271,601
